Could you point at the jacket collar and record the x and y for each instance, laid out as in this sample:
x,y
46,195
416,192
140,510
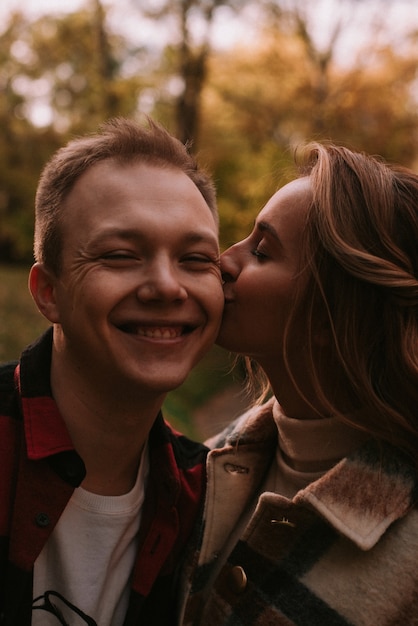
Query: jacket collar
x,y
364,493
361,496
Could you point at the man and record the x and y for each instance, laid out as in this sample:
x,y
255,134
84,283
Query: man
x,y
97,494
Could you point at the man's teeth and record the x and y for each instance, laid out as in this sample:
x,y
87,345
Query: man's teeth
x,y
159,333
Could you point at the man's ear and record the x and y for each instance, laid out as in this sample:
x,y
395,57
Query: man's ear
x,y
42,287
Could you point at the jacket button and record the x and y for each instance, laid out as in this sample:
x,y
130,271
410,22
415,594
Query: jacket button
x,y
283,522
42,520
232,468
238,579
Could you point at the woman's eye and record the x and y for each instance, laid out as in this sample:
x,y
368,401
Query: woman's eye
x,y
258,254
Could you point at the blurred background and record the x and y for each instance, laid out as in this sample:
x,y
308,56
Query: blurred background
x,y
245,81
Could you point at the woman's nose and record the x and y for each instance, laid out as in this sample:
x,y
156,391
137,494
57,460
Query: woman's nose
x,y
230,264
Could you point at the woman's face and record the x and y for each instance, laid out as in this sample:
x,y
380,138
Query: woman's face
x,y
261,273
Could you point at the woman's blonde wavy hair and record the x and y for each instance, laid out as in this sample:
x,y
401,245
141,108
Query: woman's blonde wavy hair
x,y
360,247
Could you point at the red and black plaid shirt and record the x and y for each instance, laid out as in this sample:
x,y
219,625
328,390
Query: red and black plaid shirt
x,y
39,470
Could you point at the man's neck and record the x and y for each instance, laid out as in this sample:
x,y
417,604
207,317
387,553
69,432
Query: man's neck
x,y
108,429
111,459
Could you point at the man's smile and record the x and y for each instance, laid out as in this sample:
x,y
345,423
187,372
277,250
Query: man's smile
x,y
157,331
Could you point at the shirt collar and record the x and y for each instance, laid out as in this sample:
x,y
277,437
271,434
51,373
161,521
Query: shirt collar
x,y
45,430
46,434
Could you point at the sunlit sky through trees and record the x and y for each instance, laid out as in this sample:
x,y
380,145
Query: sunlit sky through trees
x,y
363,20
228,30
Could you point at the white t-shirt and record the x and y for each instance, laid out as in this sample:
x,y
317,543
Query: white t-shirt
x,y
83,572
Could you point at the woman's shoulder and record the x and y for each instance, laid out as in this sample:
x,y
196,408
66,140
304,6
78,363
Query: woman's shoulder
x,y
255,425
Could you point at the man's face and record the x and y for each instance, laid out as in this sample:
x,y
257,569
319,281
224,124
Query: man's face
x,y
139,298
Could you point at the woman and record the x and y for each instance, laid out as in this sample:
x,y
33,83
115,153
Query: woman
x,y
310,516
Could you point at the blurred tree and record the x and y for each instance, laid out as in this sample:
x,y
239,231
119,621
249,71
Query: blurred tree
x,y
80,64
58,76
189,54
22,148
252,125
343,76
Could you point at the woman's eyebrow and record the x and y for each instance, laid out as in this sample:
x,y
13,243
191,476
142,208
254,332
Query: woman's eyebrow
x,y
265,227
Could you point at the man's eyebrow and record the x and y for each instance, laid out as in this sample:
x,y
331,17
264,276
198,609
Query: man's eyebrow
x,y
114,233
137,235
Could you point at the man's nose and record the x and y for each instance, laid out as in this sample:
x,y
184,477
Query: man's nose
x,y
162,281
